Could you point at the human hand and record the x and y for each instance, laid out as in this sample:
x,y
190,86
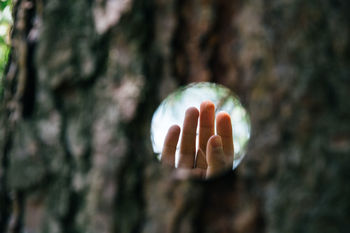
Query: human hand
x,y
215,152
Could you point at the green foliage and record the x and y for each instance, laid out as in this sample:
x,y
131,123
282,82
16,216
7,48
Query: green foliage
x,y
4,4
5,23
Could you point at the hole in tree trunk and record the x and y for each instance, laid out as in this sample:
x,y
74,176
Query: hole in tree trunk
x,y
172,112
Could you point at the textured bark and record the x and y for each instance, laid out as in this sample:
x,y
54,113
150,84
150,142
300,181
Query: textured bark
x,y
83,81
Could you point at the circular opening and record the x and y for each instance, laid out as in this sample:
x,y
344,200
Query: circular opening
x,y
172,111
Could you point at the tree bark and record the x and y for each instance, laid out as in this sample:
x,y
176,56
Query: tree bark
x,y
84,78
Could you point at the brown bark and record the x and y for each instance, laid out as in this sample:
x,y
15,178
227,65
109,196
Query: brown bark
x,y
83,81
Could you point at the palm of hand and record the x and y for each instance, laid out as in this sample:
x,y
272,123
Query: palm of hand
x,y
215,152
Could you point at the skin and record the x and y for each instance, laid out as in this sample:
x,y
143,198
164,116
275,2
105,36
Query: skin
x,y
215,152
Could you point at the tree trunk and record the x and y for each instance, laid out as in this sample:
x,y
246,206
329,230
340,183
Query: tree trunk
x,y
85,77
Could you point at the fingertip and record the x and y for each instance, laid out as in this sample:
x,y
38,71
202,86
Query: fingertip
x,y
175,129
192,112
223,124
223,117
207,105
190,121
215,141
207,117
172,137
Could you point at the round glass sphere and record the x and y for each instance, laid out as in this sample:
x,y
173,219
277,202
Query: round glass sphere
x,y
172,111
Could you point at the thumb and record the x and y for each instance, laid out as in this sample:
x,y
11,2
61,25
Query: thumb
x,y
216,156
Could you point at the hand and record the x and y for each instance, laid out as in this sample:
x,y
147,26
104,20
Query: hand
x,y
215,152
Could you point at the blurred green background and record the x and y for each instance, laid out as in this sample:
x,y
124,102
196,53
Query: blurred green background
x,y
5,25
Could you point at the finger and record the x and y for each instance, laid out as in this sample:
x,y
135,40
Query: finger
x,y
216,156
188,139
185,173
224,129
206,123
201,160
169,147
198,173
